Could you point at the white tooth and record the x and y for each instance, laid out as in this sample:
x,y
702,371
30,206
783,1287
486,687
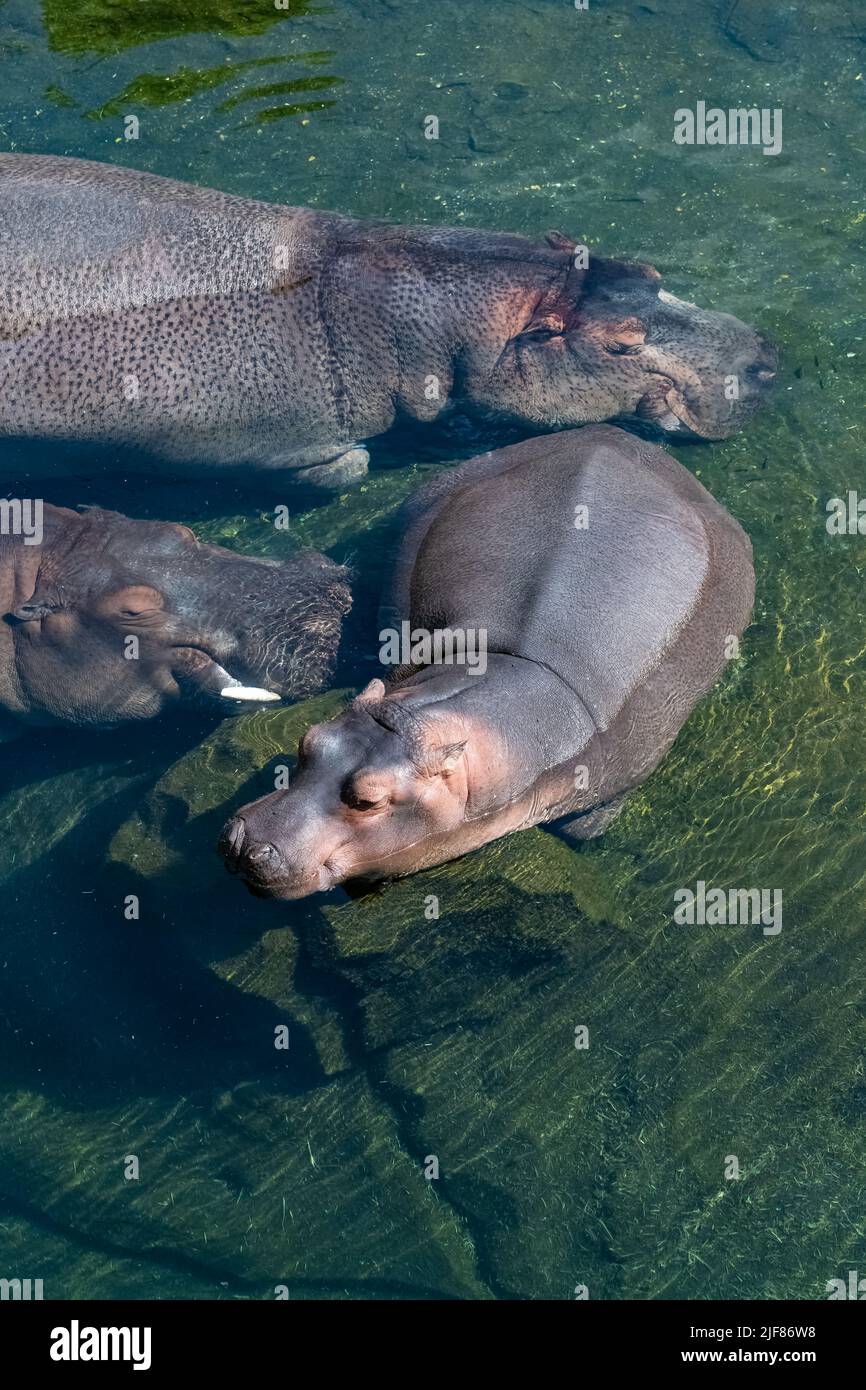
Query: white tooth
x,y
247,692
668,421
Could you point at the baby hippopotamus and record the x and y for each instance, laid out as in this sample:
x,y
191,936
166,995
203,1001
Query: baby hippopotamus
x,y
607,590
216,332
106,619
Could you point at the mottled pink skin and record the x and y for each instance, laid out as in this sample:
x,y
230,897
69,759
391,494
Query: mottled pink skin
x,y
210,331
600,641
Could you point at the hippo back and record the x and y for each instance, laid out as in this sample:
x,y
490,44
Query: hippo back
x,y
591,553
79,238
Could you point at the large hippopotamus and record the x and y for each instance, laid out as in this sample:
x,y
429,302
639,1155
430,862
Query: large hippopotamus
x,y
205,330
106,619
610,590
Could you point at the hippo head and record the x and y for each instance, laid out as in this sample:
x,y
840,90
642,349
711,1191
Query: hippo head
x,y
378,792
606,342
122,618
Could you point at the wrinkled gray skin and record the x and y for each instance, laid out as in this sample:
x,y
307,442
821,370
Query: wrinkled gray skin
x,y
600,642
206,619
213,331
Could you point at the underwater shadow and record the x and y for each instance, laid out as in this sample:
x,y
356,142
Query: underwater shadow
x,y
134,749
95,1006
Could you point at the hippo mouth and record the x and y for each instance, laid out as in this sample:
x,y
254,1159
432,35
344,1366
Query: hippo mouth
x,y
198,672
287,890
671,402
665,406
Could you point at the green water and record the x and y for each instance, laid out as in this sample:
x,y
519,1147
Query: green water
x,y
454,1037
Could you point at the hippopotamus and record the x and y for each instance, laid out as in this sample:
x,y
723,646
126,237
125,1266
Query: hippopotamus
x,y
610,589
202,330
108,619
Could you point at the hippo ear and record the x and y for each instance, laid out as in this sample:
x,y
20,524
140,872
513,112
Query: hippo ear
x,y
372,693
443,760
560,242
37,607
557,312
544,325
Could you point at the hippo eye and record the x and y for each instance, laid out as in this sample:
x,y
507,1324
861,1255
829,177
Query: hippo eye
x,y
373,799
134,601
359,803
539,335
623,349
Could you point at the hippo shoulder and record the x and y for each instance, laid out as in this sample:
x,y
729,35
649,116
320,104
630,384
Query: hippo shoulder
x,y
588,552
78,238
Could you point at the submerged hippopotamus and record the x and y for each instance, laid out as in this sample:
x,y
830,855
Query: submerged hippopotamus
x,y
106,619
610,590
210,330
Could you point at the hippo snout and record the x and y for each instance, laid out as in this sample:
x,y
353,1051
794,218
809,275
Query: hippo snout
x,y
256,860
264,868
265,857
765,362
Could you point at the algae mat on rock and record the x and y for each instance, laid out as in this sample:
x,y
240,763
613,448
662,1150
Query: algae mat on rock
x,y
415,1037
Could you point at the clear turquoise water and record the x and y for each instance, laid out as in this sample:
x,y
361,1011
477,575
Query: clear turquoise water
x,y
454,1037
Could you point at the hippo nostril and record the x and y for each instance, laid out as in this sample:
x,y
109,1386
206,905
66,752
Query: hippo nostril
x,y
761,371
263,853
232,841
257,861
765,361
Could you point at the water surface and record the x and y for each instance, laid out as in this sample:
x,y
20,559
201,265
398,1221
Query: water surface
x,y
454,1038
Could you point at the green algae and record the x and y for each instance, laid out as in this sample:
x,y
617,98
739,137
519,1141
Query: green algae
x,y
154,89
107,26
274,89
